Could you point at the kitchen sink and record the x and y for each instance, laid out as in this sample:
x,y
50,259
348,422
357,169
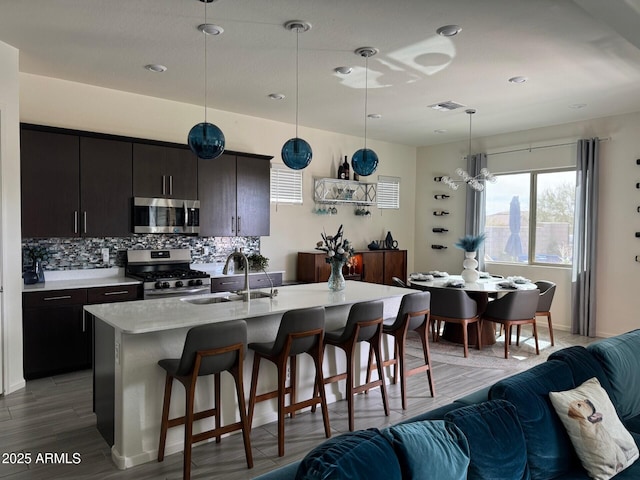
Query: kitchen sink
x,y
227,297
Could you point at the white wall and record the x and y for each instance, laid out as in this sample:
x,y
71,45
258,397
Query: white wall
x,y
618,301
11,268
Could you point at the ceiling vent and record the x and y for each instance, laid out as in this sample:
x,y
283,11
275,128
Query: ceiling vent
x,y
446,106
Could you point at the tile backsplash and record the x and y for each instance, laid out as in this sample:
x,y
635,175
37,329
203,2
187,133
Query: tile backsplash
x,y
86,253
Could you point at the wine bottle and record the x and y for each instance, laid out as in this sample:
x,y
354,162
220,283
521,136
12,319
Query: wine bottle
x,y
439,230
441,197
345,169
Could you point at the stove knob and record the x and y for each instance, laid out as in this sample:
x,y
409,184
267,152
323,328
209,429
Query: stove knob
x,y
179,283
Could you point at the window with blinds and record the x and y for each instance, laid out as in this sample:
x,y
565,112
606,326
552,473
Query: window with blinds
x,y
388,192
286,185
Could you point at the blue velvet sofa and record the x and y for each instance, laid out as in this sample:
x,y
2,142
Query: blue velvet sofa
x,y
508,431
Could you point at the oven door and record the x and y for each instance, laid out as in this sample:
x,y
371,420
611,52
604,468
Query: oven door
x,y
165,215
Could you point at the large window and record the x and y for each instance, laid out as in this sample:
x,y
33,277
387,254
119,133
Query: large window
x,y
518,202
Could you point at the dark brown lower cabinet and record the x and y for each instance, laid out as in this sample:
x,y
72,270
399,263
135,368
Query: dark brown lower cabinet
x,y
56,339
57,336
373,266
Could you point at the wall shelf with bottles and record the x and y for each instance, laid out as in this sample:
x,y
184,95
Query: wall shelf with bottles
x,y
335,190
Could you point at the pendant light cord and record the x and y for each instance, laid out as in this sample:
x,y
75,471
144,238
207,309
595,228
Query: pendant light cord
x,y
297,75
205,63
366,96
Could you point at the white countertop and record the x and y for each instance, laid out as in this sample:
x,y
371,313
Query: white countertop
x,y
105,277
144,316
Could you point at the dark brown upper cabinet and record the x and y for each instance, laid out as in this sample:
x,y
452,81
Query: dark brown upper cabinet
x,y
164,171
50,171
74,186
234,192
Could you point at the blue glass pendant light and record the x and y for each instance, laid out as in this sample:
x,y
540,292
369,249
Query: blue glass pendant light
x,y
205,139
365,160
296,153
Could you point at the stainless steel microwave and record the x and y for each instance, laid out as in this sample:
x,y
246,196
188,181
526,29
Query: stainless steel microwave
x,y
165,215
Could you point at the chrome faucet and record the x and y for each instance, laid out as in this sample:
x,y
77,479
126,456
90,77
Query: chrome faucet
x,y
238,254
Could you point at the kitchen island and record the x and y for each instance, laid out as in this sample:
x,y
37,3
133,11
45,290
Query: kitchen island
x,y
130,338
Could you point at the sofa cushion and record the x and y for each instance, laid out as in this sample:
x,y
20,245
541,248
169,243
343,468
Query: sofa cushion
x,y
603,445
429,450
584,366
363,454
496,442
620,361
549,450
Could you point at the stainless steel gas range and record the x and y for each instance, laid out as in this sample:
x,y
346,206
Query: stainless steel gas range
x,y
166,273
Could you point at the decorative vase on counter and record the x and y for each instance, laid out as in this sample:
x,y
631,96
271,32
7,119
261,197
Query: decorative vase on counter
x,y
336,279
39,271
470,274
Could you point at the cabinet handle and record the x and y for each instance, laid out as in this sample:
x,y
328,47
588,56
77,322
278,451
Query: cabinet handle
x,y
170,184
85,221
233,224
164,184
238,229
122,292
61,297
75,221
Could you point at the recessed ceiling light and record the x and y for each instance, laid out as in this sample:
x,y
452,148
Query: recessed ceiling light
x,y
374,115
518,79
449,30
156,68
343,70
577,106
210,29
440,130
276,96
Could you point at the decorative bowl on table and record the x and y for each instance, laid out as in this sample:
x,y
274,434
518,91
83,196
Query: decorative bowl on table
x,y
437,274
422,277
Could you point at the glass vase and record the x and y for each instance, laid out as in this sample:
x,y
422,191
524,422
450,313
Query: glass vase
x,y
336,279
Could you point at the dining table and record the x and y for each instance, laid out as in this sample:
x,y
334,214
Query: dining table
x,y
482,291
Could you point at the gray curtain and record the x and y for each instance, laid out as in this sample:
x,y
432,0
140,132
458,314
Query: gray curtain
x,y
475,213
583,286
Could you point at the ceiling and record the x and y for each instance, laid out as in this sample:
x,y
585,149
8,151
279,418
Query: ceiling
x,y
581,53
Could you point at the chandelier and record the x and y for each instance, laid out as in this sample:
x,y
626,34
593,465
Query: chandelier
x,y
474,182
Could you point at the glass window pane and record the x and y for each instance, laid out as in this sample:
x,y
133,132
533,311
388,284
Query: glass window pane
x,y
555,202
507,218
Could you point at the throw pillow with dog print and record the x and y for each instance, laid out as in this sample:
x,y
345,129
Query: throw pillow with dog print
x,y
602,443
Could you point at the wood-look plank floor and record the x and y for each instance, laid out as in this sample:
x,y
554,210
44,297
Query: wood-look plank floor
x,y
54,415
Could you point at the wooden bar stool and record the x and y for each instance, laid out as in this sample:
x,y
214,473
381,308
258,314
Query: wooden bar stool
x,y
413,314
208,350
364,324
300,331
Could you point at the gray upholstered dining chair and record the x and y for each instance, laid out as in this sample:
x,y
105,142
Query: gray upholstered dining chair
x,y
455,306
413,314
515,308
547,291
208,350
301,331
